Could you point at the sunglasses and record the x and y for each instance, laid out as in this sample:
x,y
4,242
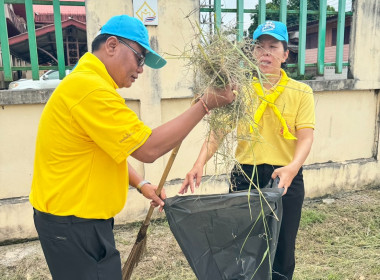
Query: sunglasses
x,y
140,57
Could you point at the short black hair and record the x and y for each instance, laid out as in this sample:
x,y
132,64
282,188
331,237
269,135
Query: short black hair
x,y
285,45
284,65
98,41
102,38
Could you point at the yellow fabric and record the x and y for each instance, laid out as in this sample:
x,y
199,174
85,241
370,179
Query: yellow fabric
x,y
85,134
269,100
288,107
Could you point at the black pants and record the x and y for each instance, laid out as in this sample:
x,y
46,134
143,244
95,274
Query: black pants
x,y
78,249
284,261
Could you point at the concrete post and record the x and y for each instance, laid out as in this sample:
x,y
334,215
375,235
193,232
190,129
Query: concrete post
x,y
364,54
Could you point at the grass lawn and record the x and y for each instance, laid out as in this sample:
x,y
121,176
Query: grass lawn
x,y
337,240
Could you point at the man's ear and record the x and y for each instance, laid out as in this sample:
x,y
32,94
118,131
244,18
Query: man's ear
x,y
110,45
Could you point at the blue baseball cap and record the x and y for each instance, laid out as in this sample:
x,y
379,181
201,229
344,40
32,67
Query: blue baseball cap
x,y
133,29
275,29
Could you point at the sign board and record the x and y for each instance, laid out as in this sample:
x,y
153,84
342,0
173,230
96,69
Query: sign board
x,y
146,11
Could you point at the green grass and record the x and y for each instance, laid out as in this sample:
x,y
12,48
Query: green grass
x,y
310,217
338,241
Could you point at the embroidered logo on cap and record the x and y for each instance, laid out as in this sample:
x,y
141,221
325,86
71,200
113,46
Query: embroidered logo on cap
x,y
269,25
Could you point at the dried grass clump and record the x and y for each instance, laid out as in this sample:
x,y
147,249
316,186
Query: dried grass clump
x,y
218,60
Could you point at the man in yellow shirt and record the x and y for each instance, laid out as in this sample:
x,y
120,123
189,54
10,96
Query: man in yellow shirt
x,y
285,122
85,135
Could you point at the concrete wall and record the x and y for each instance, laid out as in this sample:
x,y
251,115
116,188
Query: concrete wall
x,y
344,154
364,46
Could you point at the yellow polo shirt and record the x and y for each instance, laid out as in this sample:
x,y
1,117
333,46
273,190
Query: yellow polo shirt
x,y
85,134
267,145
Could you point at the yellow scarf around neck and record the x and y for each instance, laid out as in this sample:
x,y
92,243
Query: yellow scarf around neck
x,y
269,100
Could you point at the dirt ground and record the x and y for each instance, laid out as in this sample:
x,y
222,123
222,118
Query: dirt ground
x,y
339,238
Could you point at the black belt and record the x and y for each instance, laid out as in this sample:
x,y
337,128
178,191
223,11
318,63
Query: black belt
x,y
61,219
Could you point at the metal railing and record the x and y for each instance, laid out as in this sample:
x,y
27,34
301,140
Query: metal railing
x,y
303,12
7,68
216,8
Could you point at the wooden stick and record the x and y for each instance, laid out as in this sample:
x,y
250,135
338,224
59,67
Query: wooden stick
x,y
140,243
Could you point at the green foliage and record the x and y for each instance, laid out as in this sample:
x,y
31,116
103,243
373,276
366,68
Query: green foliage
x,y
333,276
294,75
310,217
292,19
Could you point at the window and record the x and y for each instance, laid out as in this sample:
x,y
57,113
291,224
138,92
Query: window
x,y
52,75
347,31
312,41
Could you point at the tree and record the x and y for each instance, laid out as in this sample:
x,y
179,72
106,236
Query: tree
x,y
292,19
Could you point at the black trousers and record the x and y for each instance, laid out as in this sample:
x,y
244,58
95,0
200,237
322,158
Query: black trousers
x,y
284,261
78,249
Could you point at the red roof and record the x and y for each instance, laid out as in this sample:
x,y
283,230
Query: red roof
x,y
311,55
48,9
46,45
46,29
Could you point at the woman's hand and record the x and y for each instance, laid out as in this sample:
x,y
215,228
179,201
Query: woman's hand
x,y
286,175
194,174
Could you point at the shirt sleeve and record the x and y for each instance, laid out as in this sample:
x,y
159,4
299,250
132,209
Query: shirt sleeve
x,y
110,124
306,113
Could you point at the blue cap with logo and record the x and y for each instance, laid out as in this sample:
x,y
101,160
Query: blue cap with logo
x,y
275,29
133,29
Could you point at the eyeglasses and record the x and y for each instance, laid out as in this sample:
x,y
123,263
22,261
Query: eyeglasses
x,y
140,57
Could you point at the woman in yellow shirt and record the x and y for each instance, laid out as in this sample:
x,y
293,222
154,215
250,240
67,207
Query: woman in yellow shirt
x,y
285,121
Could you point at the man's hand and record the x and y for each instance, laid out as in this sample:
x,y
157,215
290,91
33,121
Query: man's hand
x,y
195,173
149,191
215,97
286,175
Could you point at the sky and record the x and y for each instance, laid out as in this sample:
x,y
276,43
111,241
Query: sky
x,y
230,19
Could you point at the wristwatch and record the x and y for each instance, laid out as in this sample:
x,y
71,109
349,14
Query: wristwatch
x,y
142,183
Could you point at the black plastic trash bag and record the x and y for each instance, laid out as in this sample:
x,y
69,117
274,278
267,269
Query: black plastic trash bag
x,y
222,238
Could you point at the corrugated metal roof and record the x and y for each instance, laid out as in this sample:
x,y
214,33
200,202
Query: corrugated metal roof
x,y
49,18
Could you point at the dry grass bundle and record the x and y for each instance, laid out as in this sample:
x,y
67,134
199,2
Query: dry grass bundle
x,y
217,61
